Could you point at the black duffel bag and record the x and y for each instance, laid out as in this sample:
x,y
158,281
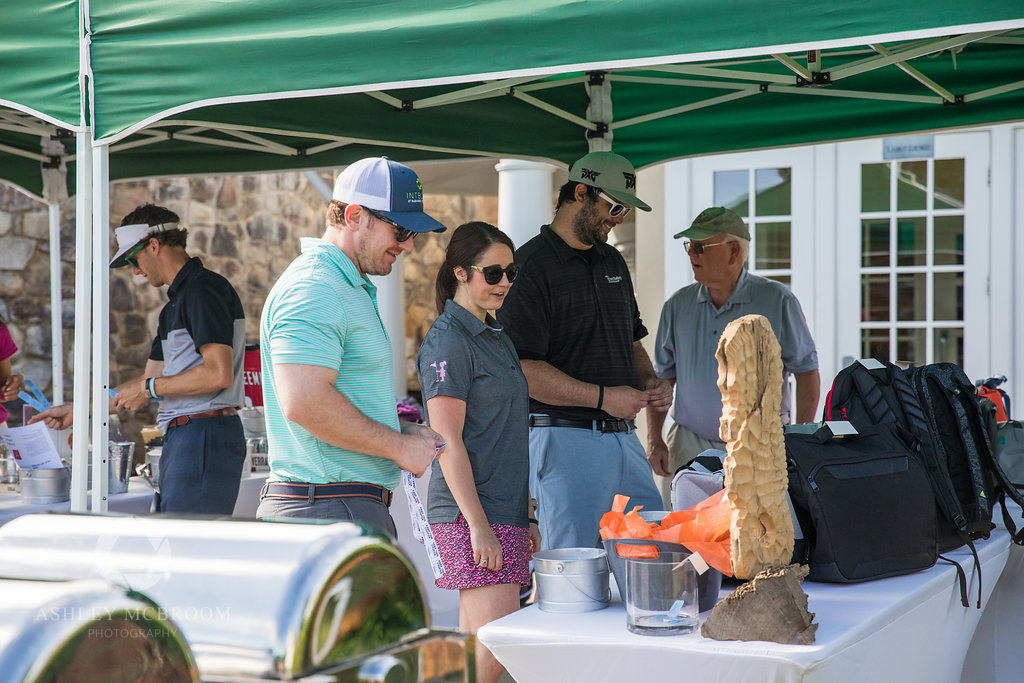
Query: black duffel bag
x,y
864,502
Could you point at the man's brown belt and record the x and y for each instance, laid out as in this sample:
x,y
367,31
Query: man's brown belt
x,y
185,419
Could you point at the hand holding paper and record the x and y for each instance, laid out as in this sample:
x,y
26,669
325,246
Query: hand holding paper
x,y
32,447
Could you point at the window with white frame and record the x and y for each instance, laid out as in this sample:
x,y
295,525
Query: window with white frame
x,y
763,198
912,261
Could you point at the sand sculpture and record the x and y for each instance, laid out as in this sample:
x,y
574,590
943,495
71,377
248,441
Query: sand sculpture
x,y
750,379
771,607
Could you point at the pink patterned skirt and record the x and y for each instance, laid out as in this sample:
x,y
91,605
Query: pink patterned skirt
x,y
460,571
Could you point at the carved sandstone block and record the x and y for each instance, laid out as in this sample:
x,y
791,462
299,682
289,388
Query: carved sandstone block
x,y
750,379
771,607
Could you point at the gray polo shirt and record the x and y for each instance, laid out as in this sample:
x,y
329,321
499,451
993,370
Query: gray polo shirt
x,y
463,358
688,335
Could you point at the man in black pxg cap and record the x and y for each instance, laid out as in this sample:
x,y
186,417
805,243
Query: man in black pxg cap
x,y
573,318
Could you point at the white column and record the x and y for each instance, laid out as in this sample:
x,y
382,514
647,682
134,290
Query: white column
x,y
83,302
100,324
650,264
525,198
391,304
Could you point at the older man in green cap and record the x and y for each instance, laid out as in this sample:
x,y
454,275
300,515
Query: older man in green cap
x,y
692,321
573,318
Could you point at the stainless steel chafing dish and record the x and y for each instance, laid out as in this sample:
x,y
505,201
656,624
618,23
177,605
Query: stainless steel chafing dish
x,y
257,600
87,630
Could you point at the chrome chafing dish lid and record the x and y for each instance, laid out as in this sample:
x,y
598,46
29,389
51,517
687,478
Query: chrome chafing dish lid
x,y
87,630
254,599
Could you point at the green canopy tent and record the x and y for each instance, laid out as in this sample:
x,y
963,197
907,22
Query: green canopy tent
x,y
200,87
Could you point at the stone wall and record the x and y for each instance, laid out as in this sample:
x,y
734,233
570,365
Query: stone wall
x,y
246,227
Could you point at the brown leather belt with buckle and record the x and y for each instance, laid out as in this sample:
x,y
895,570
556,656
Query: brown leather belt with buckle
x,y
311,492
185,419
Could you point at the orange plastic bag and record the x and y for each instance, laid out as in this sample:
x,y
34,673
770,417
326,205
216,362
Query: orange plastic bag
x,y
703,529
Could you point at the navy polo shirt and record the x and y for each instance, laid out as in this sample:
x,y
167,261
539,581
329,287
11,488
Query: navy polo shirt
x,y
574,309
202,308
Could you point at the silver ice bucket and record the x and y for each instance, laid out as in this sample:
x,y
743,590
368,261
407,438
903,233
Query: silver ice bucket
x,y
87,631
44,487
255,600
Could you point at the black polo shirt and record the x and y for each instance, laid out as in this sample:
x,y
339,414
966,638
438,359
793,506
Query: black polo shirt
x,y
574,309
202,308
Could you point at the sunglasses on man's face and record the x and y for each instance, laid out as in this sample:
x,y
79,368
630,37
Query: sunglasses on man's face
x,y
401,234
616,208
492,274
129,258
699,247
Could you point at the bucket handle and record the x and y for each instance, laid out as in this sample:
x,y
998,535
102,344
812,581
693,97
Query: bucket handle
x,y
659,546
560,568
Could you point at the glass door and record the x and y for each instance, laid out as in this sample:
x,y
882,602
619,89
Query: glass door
x,y
769,190
913,247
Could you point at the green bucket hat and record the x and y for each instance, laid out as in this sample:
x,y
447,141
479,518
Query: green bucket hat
x,y
713,221
610,173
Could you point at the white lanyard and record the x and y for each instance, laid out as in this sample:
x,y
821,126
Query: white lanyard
x,y
420,527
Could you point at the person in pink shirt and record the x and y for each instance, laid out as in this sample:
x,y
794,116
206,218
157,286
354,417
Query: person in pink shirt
x,y
10,383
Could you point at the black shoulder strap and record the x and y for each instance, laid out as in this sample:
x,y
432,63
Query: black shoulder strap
x,y
930,448
866,383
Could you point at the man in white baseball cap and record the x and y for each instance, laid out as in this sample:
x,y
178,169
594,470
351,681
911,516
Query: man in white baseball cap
x,y
336,445
194,369
575,324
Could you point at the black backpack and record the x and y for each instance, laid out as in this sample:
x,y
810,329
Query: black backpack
x,y
864,503
870,393
950,429
964,427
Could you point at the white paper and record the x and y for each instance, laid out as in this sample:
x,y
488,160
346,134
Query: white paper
x,y
32,447
420,528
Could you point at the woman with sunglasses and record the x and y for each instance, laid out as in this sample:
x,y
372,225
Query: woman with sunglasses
x,y
476,397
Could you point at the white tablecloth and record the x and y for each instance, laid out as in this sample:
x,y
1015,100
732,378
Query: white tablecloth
x,y
137,500
906,628
997,651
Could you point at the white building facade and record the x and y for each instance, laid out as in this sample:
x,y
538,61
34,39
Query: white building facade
x,y
903,249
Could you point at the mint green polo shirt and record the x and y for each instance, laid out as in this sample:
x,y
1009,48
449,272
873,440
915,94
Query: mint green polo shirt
x,y
323,312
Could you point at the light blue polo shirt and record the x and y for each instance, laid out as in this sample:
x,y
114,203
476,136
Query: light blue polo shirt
x,y
323,312
688,335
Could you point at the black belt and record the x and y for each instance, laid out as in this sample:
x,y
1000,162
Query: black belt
x,y
311,492
610,425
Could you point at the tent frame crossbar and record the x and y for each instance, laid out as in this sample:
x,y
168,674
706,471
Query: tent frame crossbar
x,y
917,75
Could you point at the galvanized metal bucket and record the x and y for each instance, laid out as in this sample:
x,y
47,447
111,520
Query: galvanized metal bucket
x,y
42,487
119,465
572,579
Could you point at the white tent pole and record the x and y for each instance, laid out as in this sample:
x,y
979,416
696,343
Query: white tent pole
x,y
100,325
83,299
56,307
599,90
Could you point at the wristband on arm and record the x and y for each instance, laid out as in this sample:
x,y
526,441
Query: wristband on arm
x,y
600,396
151,389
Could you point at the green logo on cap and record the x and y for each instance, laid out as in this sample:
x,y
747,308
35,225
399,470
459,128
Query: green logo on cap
x,y
418,184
